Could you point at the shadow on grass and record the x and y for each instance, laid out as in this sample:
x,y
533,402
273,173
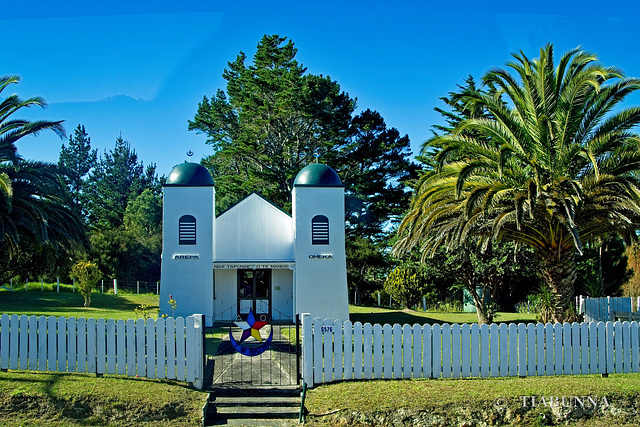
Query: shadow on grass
x,y
524,320
213,338
421,318
392,318
48,380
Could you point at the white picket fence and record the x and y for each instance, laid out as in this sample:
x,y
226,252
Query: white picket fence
x,y
164,348
334,351
599,309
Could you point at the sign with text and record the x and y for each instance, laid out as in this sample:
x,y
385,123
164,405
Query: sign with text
x,y
321,256
186,256
252,265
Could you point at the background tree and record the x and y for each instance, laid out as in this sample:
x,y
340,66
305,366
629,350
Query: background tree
x,y
77,160
270,122
33,262
504,271
553,168
87,274
125,211
374,165
35,209
602,268
117,178
143,223
367,267
274,119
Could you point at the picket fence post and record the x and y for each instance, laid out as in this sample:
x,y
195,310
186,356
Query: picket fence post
x,y
195,337
317,350
307,349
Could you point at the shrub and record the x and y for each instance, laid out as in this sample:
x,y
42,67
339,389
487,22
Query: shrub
x,y
405,285
87,274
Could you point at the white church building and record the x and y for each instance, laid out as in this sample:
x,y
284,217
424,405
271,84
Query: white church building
x,y
254,256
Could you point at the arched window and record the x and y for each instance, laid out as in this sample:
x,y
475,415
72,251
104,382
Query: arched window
x,y
320,230
187,230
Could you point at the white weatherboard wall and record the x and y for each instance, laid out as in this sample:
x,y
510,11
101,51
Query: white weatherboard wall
x,y
321,270
282,294
226,295
186,269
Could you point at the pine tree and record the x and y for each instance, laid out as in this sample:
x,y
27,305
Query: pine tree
x,y
271,121
77,160
117,178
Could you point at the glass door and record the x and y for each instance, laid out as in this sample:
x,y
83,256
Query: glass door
x,y
254,293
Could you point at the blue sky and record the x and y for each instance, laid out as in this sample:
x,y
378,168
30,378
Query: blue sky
x,y
140,69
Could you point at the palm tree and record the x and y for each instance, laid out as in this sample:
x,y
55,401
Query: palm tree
x,y
35,207
553,164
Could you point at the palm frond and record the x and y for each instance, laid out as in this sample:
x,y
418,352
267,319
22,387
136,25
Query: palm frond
x,y
552,161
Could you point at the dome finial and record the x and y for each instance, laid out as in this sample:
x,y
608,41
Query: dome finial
x,y
317,175
189,175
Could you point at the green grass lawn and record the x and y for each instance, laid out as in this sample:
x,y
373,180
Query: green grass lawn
x,y
122,306
67,304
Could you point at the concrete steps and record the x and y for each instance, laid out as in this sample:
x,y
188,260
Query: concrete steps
x,y
257,406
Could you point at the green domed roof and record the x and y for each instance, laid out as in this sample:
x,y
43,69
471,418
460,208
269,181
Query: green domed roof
x,y
189,175
317,175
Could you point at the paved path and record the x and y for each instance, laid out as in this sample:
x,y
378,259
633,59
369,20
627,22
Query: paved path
x,y
274,367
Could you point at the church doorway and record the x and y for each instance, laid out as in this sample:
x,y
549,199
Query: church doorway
x,y
254,293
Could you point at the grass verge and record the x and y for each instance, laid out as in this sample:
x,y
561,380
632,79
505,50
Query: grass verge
x,y
333,404
58,399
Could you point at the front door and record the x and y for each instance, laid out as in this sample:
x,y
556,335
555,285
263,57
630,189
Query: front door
x,y
254,293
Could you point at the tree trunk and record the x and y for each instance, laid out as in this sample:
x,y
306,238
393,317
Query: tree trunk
x,y
484,315
558,271
87,300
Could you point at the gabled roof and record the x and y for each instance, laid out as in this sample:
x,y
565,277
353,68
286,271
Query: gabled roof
x,y
250,195
254,229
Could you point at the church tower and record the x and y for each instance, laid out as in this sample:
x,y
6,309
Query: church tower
x,y
188,234
320,286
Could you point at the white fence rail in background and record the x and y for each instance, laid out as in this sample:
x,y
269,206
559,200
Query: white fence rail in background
x,y
105,285
164,348
600,309
334,350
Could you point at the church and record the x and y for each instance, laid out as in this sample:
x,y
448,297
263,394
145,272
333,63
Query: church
x,y
254,256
